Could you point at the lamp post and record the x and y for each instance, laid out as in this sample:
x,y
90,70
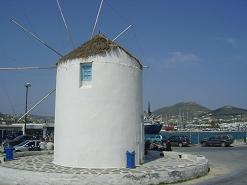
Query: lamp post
x,y
27,85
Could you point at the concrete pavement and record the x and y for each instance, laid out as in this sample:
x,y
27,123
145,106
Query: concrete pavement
x,y
227,164
39,169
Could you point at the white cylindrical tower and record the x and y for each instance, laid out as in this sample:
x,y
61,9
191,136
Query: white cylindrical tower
x,y
98,114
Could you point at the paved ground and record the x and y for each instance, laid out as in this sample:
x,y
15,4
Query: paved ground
x,y
38,170
228,165
43,163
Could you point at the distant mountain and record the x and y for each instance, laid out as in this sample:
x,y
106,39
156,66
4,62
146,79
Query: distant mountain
x,y
8,118
42,117
185,109
227,111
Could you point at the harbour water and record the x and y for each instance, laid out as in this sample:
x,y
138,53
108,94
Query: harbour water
x,y
197,136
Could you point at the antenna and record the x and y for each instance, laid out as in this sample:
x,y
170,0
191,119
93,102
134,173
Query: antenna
x,y
36,37
65,24
36,104
121,32
25,68
96,19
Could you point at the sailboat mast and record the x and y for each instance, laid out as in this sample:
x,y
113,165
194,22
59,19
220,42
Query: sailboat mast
x,y
149,110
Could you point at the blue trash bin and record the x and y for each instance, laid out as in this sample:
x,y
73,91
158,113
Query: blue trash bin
x,y
130,159
9,153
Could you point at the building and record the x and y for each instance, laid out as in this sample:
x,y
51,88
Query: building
x,y
98,110
39,130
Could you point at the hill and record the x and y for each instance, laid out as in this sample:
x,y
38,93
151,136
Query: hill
x,y
41,118
227,111
185,109
7,118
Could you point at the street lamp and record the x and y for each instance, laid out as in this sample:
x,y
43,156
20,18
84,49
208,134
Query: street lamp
x,y
27,85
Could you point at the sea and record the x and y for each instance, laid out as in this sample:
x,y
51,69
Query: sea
x,y
197,136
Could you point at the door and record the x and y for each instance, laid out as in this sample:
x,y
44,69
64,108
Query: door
x,y
211,140
30,145
174,140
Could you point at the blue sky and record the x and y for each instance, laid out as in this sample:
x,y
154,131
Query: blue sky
x,y
196,50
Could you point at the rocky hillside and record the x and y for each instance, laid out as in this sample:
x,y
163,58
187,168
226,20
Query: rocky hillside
x,y
7,118
228,111
185,109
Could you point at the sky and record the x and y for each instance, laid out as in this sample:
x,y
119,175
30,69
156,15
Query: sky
x,y
196,50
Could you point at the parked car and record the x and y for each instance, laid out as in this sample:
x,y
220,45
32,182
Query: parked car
x,y
164,139
16,141
179,140
153,138
219,140
28,145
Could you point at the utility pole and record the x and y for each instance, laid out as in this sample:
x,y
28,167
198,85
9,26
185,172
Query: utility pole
x,y
27,85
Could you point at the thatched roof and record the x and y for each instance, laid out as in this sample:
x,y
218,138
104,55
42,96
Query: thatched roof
x,y
97,45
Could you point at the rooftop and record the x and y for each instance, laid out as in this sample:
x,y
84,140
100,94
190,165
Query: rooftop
x,y
99,44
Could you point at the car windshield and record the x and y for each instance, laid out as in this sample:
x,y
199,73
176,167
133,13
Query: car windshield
x,y
22,143
230,136
225,137
212,138
15,139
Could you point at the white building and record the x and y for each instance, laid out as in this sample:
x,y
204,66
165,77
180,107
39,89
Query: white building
x,y
98,113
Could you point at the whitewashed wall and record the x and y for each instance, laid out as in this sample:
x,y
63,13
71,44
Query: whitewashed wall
x,y
96,124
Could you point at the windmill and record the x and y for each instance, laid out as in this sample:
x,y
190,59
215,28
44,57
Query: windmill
x,y
98,86
34,36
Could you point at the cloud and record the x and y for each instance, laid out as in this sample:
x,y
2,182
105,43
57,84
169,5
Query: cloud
x,y
231,41
179,57
173,60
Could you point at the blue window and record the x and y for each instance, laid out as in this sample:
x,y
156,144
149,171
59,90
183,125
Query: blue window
x,y
86,72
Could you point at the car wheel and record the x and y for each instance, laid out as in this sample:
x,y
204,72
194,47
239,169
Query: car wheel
x,y
223,144
204,144
164,143
180,144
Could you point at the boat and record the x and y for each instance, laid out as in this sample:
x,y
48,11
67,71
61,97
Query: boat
x,y
152,128
169,128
